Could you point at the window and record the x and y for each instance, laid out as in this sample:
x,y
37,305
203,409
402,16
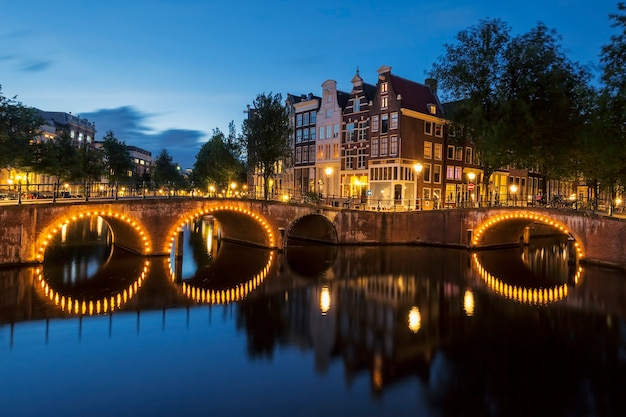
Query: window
x,y
313,117
335,150
320,152
428,128
384,87
328,132
394,146
336,130
322,130
458,173
329,98
298,155
438,130
306,119
449,172
360,164
312,153
375,147
384,123
329,113
468,155
72,134
349,162
327,152
384,102
426,172
374,123
428,150
394,120
299,120
80,136
357,104
313,133
450,152
459,153
438,151
362,131
305,135
298,136
384,144
350,132
437,174
305,154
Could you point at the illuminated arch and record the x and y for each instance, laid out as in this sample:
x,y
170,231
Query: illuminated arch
x,y
86,306
535,217
211,211
523,294
224,296
141,236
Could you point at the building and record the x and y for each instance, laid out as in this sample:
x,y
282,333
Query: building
x,y
355,143
142,161
304,116
81,131
328,145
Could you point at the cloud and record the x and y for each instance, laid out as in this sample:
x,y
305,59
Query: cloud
x,y
35,66
130,125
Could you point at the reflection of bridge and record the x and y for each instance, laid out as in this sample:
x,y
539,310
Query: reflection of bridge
x,y
150,226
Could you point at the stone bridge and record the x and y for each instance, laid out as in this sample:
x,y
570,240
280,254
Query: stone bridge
x,y
149,226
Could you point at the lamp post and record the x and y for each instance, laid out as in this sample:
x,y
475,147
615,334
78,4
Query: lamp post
x,y
329,172
418,170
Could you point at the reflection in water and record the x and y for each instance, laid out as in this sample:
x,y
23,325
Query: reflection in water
x,y
528,274
415,325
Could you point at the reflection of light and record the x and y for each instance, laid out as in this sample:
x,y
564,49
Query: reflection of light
x,y
325,300
228,295
523,294
90,307
468,303
64,233
377,372
415,320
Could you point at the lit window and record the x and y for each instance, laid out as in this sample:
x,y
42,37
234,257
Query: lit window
x,y
438,151
384,102
428,150
458,172
383,87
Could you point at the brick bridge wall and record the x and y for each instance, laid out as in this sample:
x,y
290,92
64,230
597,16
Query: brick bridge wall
x,y
148,226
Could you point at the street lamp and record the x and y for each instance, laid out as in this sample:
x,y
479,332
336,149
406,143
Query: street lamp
x,y
329,172
418,170
513,189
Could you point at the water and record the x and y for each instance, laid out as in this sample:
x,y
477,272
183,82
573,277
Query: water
x,y
316,330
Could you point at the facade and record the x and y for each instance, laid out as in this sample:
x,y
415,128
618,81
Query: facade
x,y
305,110
142,160
328,145
81,131
355,141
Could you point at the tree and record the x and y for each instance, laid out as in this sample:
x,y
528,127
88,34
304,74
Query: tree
x,y
469,72
266,136
219,160
166,171
117,159
19,127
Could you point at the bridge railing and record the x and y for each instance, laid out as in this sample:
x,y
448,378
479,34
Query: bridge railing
x,y
19,193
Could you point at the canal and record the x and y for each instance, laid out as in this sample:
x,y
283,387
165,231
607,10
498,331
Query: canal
x,y
227,329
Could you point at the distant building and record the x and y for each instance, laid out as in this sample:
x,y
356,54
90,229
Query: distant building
x,y
304,117
81,131
141,159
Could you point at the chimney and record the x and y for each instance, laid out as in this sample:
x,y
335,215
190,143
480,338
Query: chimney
x,y
432,83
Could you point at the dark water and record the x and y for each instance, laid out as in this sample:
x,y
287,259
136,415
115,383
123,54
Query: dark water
x,y
314,330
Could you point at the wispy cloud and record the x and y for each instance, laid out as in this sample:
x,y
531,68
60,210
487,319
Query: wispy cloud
x,y
130,125
35,66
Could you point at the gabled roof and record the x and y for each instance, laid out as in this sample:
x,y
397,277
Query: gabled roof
x,y
342,99
370,91
415,96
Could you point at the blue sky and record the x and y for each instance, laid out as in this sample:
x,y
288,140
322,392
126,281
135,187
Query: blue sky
x,y
165,73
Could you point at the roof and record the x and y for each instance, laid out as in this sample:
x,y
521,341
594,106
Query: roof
x,y
415,96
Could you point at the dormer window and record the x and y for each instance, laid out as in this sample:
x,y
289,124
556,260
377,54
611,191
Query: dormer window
x,y
432,108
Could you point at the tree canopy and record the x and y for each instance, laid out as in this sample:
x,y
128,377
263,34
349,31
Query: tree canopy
x,y
266,136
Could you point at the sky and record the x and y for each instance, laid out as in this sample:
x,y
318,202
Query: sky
x,y
163,74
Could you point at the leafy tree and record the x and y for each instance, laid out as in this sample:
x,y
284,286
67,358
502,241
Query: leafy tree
x,y
266,136
166,171
469,72
19,127
117,159
611,117
219,160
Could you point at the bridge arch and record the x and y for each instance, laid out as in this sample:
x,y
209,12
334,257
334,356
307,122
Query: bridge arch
x,y
510,227
238,224
313,227
127,232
